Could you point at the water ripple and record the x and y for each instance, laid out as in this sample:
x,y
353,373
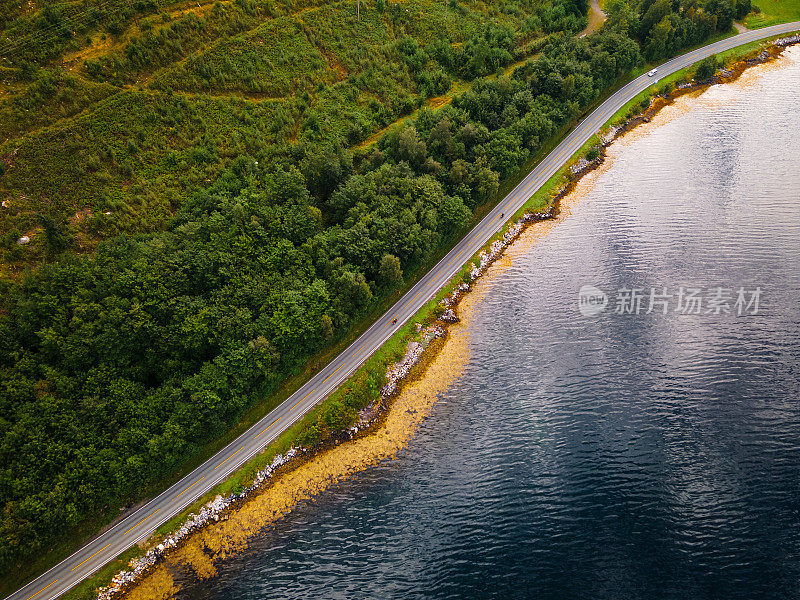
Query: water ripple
x,y
642,456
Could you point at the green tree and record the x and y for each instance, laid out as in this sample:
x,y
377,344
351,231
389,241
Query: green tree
x,y
390,271
620,16
706,68
658,42
455,216
337,416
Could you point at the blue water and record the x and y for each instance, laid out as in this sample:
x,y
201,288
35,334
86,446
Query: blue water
x,y
615,456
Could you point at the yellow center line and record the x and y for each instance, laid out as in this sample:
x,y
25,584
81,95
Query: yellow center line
x,y
267,427
41,590
359,350
92,556
429,283
145,519
455,257
309,393
227,459
414,298
326,379
188,488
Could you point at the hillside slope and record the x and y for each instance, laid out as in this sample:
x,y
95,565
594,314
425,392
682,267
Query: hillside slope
x,y
112,115
212,159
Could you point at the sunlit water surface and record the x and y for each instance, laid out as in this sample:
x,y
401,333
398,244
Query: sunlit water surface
x,y
638,456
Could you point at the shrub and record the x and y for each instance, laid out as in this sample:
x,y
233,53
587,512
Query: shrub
x,y
310,436
337,417
706,68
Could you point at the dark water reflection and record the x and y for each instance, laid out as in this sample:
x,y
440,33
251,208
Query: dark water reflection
x,y
638,456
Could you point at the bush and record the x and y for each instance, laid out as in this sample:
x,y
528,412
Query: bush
x,y
310,436
706,68
390,270
337,417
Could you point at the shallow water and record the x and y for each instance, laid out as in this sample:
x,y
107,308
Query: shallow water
x,y
610,456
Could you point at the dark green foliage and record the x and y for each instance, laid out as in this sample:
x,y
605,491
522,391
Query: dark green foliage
x,y
485,53
706,68
114,366
431,80
622,17
55,235
337,416
666,88
244,232
390,270
664,27
742,8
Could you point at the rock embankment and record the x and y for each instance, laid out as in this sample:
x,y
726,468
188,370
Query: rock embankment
x,y
400,370
211,512
584,166
215,509
788,41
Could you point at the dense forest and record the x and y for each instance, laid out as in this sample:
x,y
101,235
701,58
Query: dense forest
x,y
230,171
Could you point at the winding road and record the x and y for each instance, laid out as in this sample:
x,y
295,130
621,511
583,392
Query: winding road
x,y
144,520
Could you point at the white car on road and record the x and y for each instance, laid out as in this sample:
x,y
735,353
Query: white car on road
x,y
652,72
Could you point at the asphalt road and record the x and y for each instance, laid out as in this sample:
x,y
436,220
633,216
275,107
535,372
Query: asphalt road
x,y
143,521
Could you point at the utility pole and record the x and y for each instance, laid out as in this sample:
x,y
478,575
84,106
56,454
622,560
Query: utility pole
x,y
358,10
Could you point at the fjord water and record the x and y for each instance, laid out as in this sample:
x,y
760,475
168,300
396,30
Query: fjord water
x,y
615,456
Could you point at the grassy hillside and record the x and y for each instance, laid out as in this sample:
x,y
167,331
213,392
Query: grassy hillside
x,y
771,12
215,193
109,114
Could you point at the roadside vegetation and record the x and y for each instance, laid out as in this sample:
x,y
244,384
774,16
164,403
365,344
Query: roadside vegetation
x,y
213,162
772,12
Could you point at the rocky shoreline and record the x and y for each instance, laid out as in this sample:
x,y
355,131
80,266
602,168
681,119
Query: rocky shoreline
x,y
658,101
396,373
218,508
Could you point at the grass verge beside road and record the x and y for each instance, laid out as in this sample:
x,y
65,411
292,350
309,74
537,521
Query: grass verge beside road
x,y
377,363
773,12
725,59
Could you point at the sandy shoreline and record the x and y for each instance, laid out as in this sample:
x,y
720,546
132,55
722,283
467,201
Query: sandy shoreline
x,y
199,555
415,403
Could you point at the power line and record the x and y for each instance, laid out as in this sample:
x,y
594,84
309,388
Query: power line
x,y
45,32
